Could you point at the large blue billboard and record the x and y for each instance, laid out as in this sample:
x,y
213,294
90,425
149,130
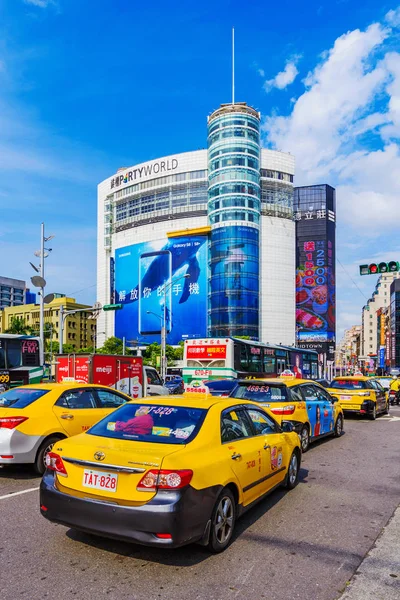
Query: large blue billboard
x,y
170,273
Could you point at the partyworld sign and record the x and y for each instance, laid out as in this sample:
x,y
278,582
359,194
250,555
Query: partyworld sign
x,y
155,168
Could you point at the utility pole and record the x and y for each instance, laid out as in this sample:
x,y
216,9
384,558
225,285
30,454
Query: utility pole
x,y
41,293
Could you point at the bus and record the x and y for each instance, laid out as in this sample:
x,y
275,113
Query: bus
x,y
233,358
19,360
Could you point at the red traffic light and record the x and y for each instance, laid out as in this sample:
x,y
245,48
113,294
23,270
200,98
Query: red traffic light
x,y
373,268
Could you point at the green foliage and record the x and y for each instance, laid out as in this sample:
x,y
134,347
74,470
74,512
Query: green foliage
x,y
112,346
152,354
86,350
68,349
19,327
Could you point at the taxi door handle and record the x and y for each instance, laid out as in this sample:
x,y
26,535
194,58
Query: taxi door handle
x,y
236,456
68,417
266,447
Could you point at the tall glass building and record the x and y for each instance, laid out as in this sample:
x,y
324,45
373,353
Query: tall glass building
x,y
224,217
234,216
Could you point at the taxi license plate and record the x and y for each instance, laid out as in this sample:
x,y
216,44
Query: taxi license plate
x,y
100,480
345,397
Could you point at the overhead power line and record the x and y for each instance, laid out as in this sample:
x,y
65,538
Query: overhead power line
x,y
350,277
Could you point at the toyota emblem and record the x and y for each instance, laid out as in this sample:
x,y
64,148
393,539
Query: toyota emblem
x,y
99,455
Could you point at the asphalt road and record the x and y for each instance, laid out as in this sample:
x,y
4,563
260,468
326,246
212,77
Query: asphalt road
x,y
306,543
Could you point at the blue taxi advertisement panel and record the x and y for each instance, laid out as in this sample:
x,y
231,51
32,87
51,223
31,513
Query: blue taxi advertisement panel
x,y
164,280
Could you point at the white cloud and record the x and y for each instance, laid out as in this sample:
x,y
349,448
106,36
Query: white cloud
x,y
40,3
393,17
283,78
337,107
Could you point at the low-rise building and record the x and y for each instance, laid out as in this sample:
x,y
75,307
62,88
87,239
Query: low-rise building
x,y
79,330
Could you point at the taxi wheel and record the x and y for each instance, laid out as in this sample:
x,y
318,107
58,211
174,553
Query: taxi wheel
x,y
45,448
293,471
338,426
372,416
305,438
222,521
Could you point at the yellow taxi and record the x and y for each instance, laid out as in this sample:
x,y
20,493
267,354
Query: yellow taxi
x,y
169,471
34,417
313,412
360,395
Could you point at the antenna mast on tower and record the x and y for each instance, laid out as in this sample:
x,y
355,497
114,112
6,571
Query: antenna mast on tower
x,y
233,65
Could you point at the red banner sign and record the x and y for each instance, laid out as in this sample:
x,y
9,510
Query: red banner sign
x,y
202,352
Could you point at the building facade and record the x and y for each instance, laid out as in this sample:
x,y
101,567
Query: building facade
x,y
12,292
379,299
212,227
394,337
348,349
315,218
79,330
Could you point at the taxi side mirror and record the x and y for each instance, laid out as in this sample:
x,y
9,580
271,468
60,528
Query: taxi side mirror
x,y
333,400
287,427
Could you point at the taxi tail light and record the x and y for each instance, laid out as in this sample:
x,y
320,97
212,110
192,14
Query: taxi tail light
x,y
55,463
283,410
11,422
165,480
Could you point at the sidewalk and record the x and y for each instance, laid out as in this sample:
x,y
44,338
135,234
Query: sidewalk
x,y
378,576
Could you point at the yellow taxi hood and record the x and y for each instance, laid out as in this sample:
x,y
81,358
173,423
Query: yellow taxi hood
x,y
117,451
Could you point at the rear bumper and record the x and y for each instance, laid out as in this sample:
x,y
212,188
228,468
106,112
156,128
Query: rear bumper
x,y
21,447
184,514
366,408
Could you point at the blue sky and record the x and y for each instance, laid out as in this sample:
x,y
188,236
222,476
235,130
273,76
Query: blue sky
x,y
87,87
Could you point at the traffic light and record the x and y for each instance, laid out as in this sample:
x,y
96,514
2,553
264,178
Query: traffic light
x,y
112,307
382,267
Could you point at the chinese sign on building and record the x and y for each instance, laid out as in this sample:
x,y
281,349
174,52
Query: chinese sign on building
x,y
315,266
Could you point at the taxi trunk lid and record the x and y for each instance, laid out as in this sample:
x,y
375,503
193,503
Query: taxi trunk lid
x,y
350,397
111,469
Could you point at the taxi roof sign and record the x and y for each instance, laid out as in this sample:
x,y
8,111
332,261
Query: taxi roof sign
x,y
196,387
287,373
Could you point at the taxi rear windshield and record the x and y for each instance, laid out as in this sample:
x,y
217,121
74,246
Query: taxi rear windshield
x,y
20,397
260,392
151,423
348,384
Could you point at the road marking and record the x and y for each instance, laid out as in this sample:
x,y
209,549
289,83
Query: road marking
x,y
18,493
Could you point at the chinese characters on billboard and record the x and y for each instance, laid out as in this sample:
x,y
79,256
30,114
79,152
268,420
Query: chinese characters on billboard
x,y
315,269
164,277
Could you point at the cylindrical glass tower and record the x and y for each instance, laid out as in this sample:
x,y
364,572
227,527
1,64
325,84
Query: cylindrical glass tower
x,y
234,216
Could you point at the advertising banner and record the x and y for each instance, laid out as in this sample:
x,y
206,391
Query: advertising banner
x,y
165,278
315,291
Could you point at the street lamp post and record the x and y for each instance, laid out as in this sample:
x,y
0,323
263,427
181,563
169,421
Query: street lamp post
x,y
40,282
164,327
163,319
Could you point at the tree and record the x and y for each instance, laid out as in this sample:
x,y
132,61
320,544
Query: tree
x,y
19,327
112,346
